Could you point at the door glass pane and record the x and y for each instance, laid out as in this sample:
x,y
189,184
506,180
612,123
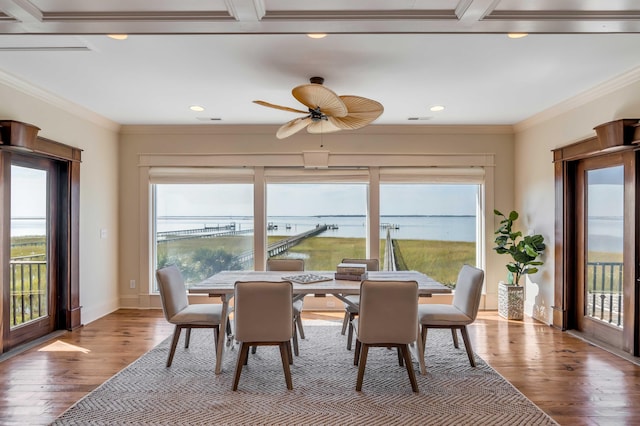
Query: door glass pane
x,y
28,264
605,228
203,228
430,228
328,222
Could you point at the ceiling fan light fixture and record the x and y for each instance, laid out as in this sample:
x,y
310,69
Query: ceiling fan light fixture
x,y
327,112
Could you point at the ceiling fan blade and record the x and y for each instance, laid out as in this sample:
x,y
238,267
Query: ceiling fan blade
x,y
323,126
362,111
284,108
316,95
293,126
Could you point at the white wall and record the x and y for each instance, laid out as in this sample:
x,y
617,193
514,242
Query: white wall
x,y
534,172
98,138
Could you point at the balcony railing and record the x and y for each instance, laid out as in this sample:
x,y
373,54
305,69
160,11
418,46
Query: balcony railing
x,y
28,289
604,291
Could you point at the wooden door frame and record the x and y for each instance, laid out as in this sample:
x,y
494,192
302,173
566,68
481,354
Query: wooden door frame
x,y
615,136
23,138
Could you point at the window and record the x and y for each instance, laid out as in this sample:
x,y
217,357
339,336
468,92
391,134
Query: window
x,y
429,228
203,228
205,219
335,213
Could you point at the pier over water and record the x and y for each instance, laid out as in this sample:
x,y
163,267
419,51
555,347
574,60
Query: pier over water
x,y
283,245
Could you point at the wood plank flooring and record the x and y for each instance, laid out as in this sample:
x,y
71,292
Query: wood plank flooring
x,y
574,382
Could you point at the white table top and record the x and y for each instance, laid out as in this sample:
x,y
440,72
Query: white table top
x,y
223,282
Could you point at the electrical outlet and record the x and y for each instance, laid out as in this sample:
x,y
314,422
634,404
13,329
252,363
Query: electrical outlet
x,y
132,284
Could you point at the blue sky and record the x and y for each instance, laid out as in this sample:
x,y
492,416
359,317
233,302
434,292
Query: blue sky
x,y
30,199
316,199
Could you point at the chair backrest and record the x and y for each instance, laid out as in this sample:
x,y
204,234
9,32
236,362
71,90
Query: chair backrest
x,y
372,264
285,264
172,291
388,312
468,291
263,311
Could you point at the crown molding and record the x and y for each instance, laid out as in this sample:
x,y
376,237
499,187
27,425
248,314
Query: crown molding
x,y
56,101
593,94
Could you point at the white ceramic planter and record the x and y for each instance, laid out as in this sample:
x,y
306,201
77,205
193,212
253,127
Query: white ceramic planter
x,y
510,301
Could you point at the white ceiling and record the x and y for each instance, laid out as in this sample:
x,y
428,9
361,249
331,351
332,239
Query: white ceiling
x,y
408,55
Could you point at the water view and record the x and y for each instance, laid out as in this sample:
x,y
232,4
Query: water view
x,y
606,233
443,228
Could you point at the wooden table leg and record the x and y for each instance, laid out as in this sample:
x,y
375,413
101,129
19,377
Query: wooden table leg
x,y
222,334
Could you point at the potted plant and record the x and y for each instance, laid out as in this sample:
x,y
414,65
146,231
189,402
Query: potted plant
x,y
524,252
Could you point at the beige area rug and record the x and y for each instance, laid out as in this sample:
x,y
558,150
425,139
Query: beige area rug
x,y
324,378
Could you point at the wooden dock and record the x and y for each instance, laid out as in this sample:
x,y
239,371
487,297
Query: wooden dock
x,y
204,232
283,245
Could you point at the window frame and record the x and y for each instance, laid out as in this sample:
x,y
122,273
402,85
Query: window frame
x,y
373,177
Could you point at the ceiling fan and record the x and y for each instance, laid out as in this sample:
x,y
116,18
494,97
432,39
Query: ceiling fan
x,y
328,112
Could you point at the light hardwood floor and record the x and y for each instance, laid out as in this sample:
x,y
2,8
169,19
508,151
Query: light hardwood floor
x,y
574,382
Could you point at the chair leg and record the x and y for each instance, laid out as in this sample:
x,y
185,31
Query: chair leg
x,y
424,337
187,338
300,329
407,360
345,323
362,365
454,334
253,349
242,356
174,343
289,352
356,355
229,333
467,345
400,360
216,332
285,363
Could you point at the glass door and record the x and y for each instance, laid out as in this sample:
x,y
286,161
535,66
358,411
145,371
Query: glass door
x,y
605,271
31,291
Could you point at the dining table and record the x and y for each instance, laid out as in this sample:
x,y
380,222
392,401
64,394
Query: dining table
x,y
304,283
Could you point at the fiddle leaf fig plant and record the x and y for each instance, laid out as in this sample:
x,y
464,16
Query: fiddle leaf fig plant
x,y
524,250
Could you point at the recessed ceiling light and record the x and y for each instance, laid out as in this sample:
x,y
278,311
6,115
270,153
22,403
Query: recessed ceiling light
x,y
197,108
436,108
118,36
517,35
316,35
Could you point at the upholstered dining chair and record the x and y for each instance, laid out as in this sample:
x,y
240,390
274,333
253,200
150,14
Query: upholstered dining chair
x,y
179,312
291,265
460,313
387,318
263,316
350,311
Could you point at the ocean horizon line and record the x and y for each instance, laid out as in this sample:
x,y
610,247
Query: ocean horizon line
x,y
316,215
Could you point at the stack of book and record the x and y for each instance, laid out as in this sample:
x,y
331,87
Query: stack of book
x,y
351,271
